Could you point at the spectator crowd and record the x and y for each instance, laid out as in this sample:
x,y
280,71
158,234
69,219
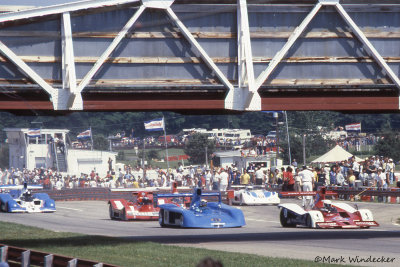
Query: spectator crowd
x,y
373,171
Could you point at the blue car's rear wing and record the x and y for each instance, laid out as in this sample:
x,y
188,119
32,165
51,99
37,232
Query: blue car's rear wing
x,y
196,195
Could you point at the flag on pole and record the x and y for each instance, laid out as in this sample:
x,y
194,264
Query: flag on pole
x,y
85,134
33,133
154,125
353,127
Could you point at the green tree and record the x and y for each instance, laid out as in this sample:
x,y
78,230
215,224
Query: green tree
x,y
121,155
100,142
314,145
152,154
389,146
4,157
196,148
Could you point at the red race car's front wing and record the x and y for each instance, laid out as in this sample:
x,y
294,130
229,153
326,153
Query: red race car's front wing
x,y
355,225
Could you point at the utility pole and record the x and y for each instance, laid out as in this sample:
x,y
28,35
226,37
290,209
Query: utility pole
x,y
288,139
206,156
277,138
143,157
304,149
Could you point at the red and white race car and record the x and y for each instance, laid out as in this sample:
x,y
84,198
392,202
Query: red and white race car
x,y
325,214
140,209
143,206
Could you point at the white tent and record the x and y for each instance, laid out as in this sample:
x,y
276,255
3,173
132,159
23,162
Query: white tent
x,y
334,155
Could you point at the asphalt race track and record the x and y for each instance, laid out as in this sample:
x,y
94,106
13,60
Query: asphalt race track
x,y
263,234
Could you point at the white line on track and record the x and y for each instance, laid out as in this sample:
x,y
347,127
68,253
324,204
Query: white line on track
x,y
58,207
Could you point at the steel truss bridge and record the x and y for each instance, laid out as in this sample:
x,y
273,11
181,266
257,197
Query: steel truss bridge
x,y
205,55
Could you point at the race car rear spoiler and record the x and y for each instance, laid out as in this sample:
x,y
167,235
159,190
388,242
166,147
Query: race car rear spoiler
x,y
197,194
19,187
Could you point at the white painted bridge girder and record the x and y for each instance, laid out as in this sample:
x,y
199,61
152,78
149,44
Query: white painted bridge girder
x,y
243,96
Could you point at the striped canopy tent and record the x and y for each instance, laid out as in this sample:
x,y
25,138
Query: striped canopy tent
x,y
336,154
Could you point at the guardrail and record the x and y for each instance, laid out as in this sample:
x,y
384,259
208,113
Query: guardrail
x,y
15,256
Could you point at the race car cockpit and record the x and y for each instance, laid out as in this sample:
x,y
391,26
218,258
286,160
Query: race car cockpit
x,y
27,196
328,206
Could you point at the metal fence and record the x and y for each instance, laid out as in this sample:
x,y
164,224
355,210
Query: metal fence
x,y
15,256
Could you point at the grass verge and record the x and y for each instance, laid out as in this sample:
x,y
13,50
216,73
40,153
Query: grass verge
x,y
124,252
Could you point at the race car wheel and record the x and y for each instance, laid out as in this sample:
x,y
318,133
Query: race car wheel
x,y
181,220
3,206
285,218
111,212
123,215
308,221
161,218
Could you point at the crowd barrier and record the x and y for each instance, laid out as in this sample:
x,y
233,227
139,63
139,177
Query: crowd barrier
x,y
362,193
370,194
81,194
373,194
15,256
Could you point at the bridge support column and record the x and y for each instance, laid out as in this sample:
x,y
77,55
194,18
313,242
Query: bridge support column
x,y
245,96
70,98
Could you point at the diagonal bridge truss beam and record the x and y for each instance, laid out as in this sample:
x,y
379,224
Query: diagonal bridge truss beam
x,y
242,96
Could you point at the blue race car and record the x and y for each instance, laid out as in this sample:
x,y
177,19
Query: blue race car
x,y
200,213
19,198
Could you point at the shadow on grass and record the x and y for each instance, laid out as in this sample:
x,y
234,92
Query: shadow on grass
x,y
242,237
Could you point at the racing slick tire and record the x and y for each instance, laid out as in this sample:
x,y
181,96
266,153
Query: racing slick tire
x,y
111,212
181,220
284,218
308,221
3,207
123,215
161,218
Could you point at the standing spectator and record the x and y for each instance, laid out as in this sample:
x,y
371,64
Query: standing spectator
x,y
351,178
236,177
290,179
61,145
364,177
321,178
278,176
224,178
355,166
294,163
216,178
389,170
120,178
2,175
297,181
332,176
110,164
245,178
380,179
59,184
339,177
208,177
260,176
307,179
179,178
272,179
